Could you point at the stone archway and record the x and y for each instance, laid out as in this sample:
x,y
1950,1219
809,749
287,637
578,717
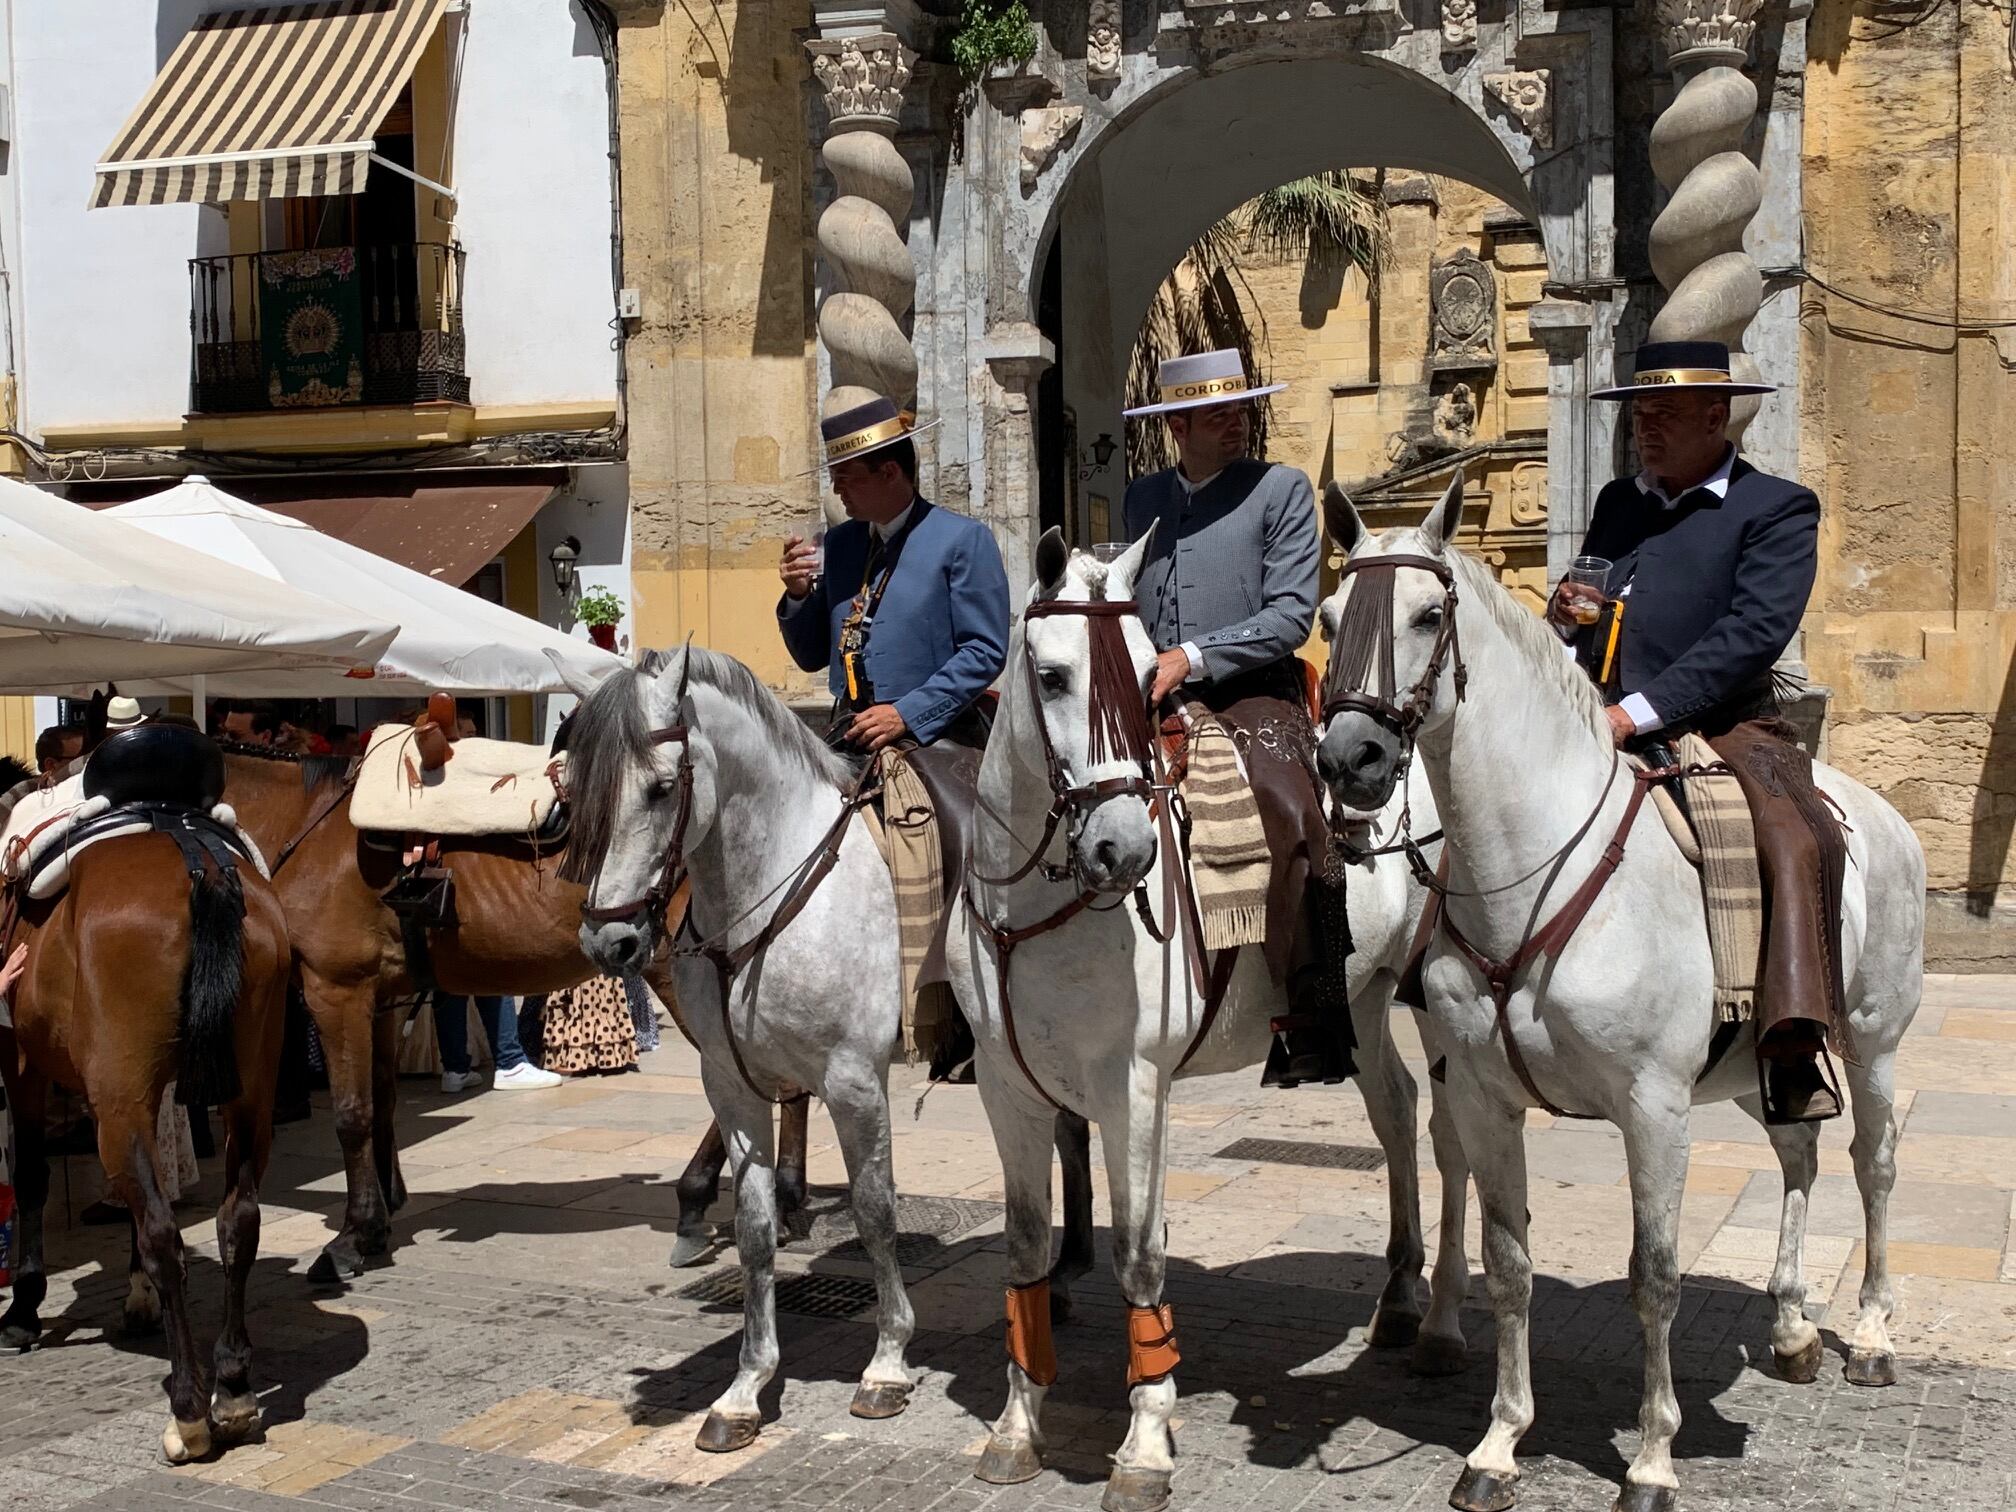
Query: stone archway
x,y
1136,151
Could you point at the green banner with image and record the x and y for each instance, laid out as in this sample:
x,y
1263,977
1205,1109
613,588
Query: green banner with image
x,y
311,328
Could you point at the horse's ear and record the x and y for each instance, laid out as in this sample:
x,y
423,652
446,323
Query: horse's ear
x,y
581,687
1127,566
1051,555
1340,519
1439,529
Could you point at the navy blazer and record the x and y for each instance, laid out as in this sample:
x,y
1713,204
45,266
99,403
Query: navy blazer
x,y
1717,590
940,635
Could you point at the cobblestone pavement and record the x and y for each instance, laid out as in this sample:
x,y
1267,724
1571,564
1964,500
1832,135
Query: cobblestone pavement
x,y
527,1347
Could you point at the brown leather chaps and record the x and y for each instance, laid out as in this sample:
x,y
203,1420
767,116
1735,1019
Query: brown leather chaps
x,y
1802,854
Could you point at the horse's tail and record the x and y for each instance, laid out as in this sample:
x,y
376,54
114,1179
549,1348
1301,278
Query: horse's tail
x,y
207,1076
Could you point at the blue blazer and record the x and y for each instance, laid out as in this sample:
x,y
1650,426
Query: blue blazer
x,y
940,636
1717,590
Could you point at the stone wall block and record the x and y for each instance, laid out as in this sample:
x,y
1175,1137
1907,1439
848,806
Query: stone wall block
x,y
1706,216
867,254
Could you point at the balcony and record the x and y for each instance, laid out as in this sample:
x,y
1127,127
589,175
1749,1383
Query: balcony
x,y
331,328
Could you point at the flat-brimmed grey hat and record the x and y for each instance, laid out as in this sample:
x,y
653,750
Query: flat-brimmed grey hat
x,y
1208,378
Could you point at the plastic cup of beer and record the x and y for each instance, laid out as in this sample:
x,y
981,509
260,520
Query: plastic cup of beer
x,y
1585,588
813,533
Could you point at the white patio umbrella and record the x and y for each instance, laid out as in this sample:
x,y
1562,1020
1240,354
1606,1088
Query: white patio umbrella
x,y
448,640
85,600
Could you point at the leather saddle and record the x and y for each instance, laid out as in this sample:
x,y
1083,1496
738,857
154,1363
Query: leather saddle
x,y
157,764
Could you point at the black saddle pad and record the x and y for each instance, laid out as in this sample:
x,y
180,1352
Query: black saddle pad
x,y
157,763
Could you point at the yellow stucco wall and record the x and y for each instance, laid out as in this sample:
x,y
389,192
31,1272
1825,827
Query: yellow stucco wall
x,y
17,729
1910,198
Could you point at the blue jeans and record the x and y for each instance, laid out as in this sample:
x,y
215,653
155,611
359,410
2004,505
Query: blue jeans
x,y
500,1023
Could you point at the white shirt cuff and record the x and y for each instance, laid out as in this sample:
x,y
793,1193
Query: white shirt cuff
x,y
1196,660
1643,716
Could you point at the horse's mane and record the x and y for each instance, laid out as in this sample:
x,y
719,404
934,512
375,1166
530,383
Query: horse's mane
x,y
315,770
609,738
1531,635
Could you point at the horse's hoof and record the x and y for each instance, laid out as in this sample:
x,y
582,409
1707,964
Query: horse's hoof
x,y
1008,1462
1870,1367
1129,1490
182,1442
722,1434
1802,1366
1393,1329
338,1261
1439,1355
1483,1491
235,1419
880,1399
1636,1498
695,1248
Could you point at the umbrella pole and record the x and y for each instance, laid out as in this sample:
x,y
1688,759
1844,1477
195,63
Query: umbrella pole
x,y
202,704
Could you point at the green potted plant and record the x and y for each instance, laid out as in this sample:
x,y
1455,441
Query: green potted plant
x,y
600,610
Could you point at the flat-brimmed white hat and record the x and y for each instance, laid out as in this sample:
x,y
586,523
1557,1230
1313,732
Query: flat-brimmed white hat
x,y
122,713
1208,378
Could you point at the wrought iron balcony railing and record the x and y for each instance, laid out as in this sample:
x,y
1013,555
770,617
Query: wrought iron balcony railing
x,y
330,327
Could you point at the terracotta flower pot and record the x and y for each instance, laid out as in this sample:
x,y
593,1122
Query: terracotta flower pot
x,y
603,636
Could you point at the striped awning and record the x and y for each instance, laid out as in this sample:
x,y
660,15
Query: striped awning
x,y
271,103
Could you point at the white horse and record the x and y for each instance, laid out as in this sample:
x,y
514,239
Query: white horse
x,y
1104,1013
787,972
1616,1022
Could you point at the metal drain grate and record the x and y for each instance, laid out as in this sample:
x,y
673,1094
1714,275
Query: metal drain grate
x,y
1302,1152
806,1294
925,1227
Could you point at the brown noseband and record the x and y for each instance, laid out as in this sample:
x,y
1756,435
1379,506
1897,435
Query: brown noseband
x,y
1360,675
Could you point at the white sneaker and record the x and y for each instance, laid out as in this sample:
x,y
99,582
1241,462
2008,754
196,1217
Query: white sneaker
x,y
526,1075
461,1081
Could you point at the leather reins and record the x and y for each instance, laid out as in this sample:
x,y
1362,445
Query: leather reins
x,y
1120,725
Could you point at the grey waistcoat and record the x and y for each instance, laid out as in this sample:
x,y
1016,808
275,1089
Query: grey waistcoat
x,y
1233,569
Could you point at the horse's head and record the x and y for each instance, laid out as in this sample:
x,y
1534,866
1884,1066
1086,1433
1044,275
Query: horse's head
x,y
640,793
1396,668
1086,662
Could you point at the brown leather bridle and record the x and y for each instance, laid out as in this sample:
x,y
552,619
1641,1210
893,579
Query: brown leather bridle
x,y
672,869
1360,675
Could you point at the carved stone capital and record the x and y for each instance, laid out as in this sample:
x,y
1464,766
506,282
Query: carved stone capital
x,y
864,79
1046,131
1708,31
1527,100
1103,42
1459,26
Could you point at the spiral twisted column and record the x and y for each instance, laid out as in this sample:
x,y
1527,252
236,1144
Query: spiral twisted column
x,y
1713,286
861,234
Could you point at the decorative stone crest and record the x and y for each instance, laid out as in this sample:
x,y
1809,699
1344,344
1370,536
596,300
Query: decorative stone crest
x,y
1459,26
1526,98
1046,131
1464,295
1103,41
864,79
1708,30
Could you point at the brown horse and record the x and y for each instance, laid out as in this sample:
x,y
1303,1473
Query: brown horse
x,y
516,933
138,976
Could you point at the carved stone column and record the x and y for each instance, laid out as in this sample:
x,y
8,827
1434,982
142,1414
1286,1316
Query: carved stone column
x,y
1016,357
1713,285
863,233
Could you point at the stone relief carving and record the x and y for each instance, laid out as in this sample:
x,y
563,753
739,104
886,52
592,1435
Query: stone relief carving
x,y
1103,40
1463,292
1529,493
1459,25
864,78
1046,131
1700,28
1526,98
1456,416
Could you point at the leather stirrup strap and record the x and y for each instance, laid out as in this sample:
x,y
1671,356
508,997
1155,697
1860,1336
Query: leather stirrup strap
x,y
1030,1346
1151,1344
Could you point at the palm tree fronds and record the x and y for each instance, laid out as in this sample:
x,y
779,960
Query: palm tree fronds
x,y
1324,217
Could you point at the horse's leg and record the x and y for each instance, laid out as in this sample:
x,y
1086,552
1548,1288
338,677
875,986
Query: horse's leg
x,y
792,1137
736,1416
21,1324
1795,1342
1493,1138
1022,1137
1441,1351
234,1409
142,1312
860,1109
1136,1146
1872,1092
1075,1256
384,1105
1389,1092
343,1017
1655,1147
699,1184
126,1146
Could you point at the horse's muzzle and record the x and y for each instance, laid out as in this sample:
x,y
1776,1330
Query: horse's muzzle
x,y
1360,759
1115,847
619,947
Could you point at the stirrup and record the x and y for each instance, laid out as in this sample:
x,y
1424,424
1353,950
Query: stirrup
x,y
1823,1064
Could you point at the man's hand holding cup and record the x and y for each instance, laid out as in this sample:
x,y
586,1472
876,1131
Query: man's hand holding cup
x,y
1579,599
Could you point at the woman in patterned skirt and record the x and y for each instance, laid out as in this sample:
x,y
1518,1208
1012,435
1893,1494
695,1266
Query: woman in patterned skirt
x,y
589,1028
